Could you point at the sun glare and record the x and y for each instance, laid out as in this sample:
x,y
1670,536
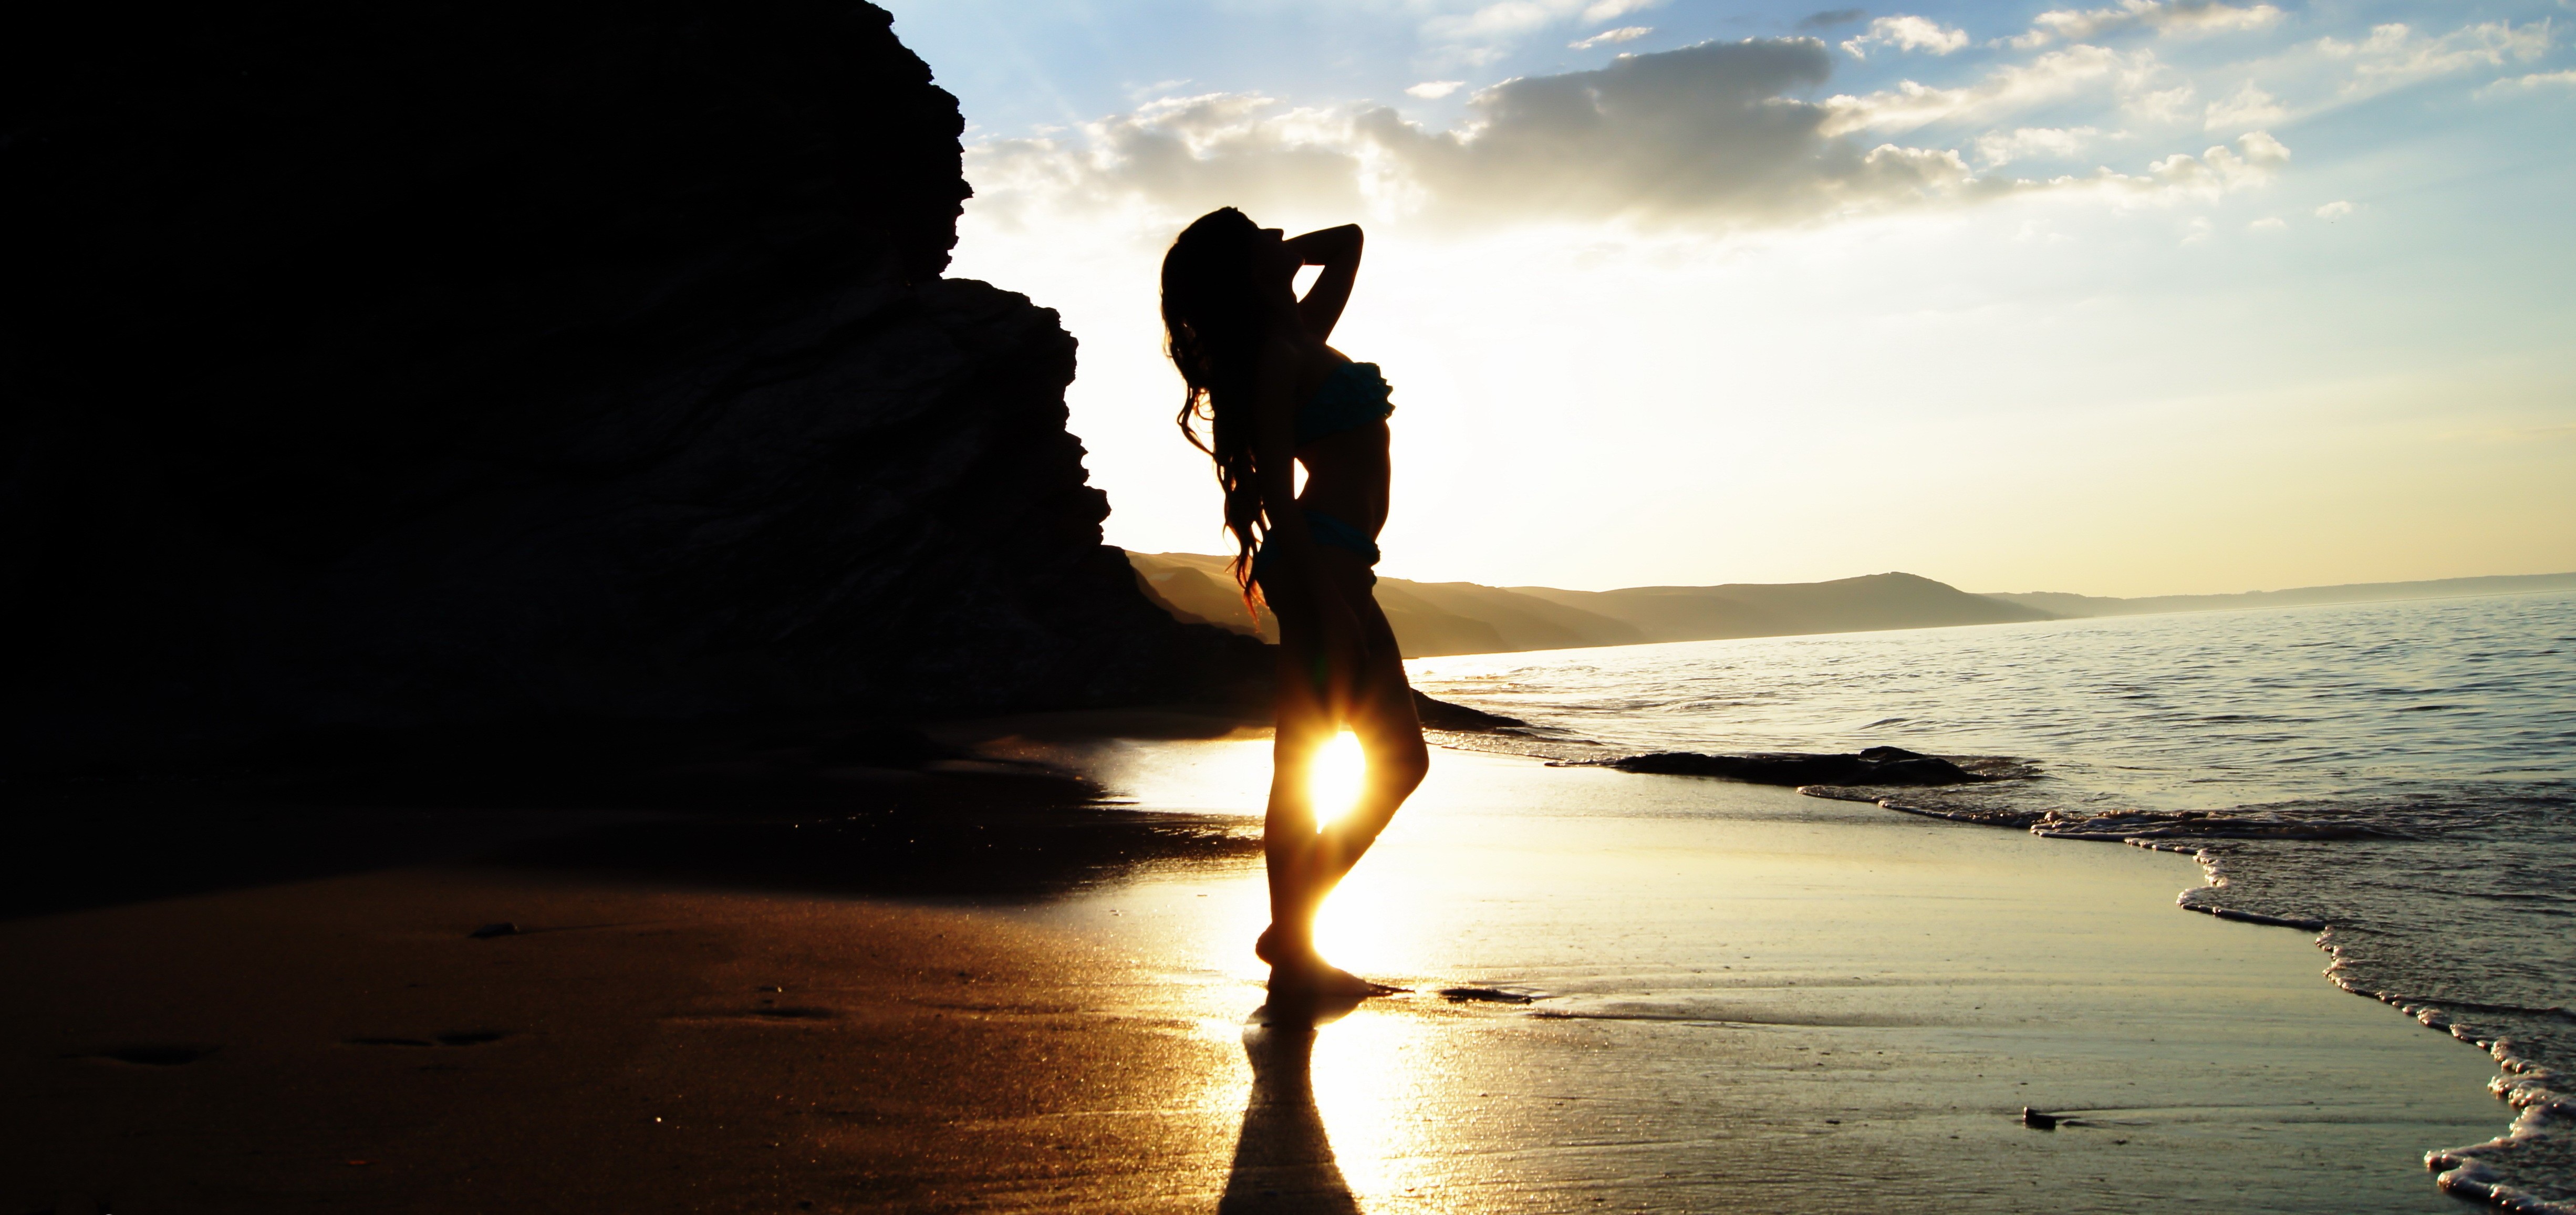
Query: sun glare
x,y
1335,778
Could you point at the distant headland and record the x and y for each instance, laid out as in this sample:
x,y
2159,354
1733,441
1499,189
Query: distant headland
x,y
1437,618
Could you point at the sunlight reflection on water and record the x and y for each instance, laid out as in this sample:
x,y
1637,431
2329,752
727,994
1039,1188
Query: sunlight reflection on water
x,y
1710,955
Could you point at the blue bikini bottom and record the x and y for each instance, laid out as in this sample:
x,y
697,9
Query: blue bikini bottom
x,y
1328,530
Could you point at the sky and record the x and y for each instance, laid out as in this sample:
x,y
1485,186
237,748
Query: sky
x,y
2156,297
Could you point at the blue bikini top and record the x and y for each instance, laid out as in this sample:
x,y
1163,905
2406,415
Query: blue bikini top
x,y
1353,396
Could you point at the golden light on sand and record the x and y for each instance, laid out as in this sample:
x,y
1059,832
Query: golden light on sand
x,y
1334,781
1376,1080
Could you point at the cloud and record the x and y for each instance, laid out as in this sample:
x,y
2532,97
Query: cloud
x,y
1707,132
1830,18
2161,16
1998,148
1713,136
1486,34
2250,107
2535,80
2171,105
1625,33
2269,223
1434,90
1187,154
2394,55
2182,178
2015,86
2220,170
2334,210
1611,10
1908,34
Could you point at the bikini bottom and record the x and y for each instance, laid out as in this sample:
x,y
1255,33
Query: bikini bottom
x,y
1329,530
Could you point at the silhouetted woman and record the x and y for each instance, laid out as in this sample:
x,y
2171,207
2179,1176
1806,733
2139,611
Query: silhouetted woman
x,y
1274,396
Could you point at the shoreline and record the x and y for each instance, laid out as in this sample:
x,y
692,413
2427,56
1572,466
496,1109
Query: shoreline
x,y
1090,1050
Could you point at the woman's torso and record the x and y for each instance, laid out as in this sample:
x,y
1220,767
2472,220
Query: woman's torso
x,y
1346,469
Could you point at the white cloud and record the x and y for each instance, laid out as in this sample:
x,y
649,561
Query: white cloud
x,y
2395,55
1712,136
2196,231
2535,80
1999,148
2161,16
2269,223
1625,33
1611,10
1488,33
2222,169
1493,20
1907,34
2162,105
1187,154
2250,107
2334,210
1485,35
1434,90
1709,135
2015,86
2182,178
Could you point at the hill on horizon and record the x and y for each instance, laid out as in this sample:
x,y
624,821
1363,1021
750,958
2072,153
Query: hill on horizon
x,y
2063,604
1440,618
1434,619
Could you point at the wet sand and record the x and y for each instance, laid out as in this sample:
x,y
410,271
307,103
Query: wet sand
x,y
1741,1000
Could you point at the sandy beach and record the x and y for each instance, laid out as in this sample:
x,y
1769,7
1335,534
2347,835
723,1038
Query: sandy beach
x,y
1691,996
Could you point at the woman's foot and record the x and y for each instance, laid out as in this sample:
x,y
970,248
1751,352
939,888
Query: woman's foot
x,y
1322,980
1305,972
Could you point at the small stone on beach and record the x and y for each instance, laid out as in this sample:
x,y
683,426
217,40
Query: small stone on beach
x,y
502,929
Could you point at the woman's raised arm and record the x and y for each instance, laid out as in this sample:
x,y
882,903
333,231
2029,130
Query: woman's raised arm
x,y
1337,250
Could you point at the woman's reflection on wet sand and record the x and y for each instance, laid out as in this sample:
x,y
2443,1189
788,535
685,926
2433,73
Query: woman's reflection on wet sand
x,y
1283,1161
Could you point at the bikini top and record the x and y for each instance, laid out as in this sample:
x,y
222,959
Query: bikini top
x,y
1353,396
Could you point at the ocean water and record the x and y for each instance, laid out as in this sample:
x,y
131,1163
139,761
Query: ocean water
x,y
2398,777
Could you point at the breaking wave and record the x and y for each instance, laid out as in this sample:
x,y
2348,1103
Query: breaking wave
x,y
2399,778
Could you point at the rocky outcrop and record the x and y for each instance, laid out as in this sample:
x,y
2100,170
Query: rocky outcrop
x,y
1873,766
377,368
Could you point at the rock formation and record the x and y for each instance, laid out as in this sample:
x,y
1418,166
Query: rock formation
x,y
375,368
1873,766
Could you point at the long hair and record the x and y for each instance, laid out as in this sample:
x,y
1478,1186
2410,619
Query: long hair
x,y
1213,318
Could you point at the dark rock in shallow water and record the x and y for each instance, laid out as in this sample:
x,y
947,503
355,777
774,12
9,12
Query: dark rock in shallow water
x,y
377,368
1442,715
1875,766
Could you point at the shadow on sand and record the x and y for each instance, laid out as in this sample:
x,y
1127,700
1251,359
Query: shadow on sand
x,y
1283,1160
819,807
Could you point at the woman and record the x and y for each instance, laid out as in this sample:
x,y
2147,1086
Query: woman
x,y
1275,396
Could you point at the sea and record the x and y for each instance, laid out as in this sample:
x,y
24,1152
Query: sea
x,y
2398,778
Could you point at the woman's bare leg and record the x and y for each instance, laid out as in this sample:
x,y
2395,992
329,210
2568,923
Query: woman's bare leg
x,y
1288,827
1390,736
1305,864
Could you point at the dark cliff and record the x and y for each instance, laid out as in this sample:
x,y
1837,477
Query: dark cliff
x,y
376,368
